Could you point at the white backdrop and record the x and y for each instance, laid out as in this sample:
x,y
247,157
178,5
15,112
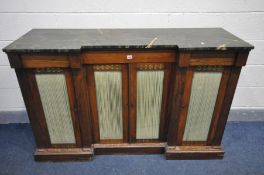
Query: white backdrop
x,y
244,18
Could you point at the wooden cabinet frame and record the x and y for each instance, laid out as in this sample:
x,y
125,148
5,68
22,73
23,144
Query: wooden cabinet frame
x,y
178,72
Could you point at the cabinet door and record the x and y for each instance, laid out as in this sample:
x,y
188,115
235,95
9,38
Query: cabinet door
x,y
108,90
148,94
53,95
205,94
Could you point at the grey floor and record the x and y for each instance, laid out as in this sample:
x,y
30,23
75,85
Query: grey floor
x,y
242,141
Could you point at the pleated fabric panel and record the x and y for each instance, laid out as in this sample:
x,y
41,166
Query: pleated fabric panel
x,y
204,92
55,102
149,99
109,103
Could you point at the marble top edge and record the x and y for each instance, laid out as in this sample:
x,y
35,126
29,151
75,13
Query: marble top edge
x,y
77,40
143,47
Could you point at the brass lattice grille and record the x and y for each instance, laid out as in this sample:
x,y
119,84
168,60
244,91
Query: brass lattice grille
x,y
204,92
109,103
55,102
149,99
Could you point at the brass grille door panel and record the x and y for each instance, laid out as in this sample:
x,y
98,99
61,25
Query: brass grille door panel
x,y
149,99
147,82
55,102
108,88
204,90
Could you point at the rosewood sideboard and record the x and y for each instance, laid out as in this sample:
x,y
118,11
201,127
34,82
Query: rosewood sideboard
x,y
128,91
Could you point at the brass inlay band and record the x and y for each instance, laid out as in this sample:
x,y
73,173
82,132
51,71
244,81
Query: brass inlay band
x,y
107,67
209,68
49,70
150,66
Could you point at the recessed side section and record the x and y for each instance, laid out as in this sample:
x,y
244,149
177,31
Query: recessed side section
x,y
130,148
111,57
55,102
108,86
149,100
205,86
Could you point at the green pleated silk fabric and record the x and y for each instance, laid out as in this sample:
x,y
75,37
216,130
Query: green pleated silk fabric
x,y
149,99
55,102
109,103
204,92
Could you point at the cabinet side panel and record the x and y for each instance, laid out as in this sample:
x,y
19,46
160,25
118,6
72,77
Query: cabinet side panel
x,y
109,103
149,100
55,101
204,92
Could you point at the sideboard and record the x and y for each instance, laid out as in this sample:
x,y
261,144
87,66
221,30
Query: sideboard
x,y
128,91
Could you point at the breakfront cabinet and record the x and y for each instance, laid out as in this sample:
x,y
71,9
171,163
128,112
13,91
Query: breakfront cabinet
x,y
128,91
